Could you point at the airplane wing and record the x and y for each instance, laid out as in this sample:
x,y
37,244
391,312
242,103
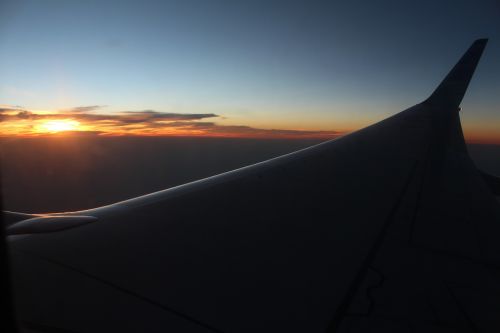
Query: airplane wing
x,y
390,228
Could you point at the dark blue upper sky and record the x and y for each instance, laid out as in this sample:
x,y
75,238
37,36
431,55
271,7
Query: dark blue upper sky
x,y
289,64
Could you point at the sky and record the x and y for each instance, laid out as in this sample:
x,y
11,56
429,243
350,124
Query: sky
x,y
238,68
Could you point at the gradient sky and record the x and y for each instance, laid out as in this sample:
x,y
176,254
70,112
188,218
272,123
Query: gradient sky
x,y
292,65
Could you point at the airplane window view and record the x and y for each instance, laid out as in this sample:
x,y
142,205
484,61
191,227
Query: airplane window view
x,y
250,166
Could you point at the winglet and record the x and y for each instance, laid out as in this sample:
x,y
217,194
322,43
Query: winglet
x,y
451,90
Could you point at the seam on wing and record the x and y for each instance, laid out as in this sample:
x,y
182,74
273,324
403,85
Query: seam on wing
x,y
126,291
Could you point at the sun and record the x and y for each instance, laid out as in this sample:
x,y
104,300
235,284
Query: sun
x,y
55,126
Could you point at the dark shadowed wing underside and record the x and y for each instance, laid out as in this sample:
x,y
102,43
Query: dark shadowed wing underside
x,y
390,228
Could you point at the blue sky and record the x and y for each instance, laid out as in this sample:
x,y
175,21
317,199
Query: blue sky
x,y
268,64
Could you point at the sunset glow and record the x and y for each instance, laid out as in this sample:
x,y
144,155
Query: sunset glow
x,y
55,126
23,122
16,121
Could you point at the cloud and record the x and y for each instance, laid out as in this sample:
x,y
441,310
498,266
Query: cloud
x,y
24,114
7,111
10,108
143,122
214,129
154,116
87,108
16,114
124,117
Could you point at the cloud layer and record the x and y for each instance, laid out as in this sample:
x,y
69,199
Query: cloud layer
x,y
15,120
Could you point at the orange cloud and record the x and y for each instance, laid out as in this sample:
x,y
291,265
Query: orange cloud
x,y
21,122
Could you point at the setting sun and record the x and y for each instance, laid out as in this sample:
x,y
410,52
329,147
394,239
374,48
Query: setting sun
x,y
62,125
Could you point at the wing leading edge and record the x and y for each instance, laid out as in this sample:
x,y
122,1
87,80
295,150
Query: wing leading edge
x,y
389,227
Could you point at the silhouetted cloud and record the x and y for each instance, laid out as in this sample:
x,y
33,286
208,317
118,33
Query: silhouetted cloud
x,y
124,117
87,108
10,108
153,116
15,114
7,111
24,114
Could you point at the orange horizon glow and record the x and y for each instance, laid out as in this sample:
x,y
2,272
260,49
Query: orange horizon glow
x,y
65,128
483,139
76,133
23,123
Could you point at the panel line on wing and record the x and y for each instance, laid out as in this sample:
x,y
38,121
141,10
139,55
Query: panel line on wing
x,y
341,311
124,290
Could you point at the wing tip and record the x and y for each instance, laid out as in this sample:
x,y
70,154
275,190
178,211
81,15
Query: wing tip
x,y
480,43
452,89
